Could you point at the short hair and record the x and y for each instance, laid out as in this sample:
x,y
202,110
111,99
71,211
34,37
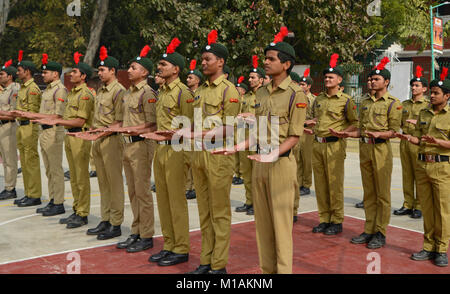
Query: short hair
x,y
284,58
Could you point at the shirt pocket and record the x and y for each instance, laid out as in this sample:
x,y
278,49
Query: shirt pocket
x,y
133,106
335,112
106,106
443,127
212,106
380,116
49,104
170,105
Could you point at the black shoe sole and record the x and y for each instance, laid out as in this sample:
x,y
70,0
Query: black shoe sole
x,y
9,197
28,205
142,249
172,263
102,237
53,214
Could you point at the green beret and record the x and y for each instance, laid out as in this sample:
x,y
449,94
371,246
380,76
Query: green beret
x,y
197,73
217,49
145,62
308,80
53,66
260,71
175,58
26,64
109,62
282,47
423,80
243,86
295,77
445,84
336,70
85,68
226,69
386,74
10,70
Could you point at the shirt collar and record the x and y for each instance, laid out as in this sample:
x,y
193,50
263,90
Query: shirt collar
x,y
76,89
110,86
337,95
283,85
172,84
53,84
27,83
216,81
385,96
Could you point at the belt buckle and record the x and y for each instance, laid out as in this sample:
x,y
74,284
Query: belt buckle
x,y
430,158
127,139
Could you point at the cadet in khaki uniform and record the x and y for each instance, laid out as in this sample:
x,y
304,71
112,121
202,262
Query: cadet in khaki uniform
x,y
77,117
174,100
432,134
28,100
274,178
107,150
304,170
216,99
139,116
333,112
256,79
380,118
237,179
51,137
366,96
408,151
8,127
193,81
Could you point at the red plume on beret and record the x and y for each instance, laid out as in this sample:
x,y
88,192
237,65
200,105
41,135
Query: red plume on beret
x,y
241,79
76,57
103,53
255,61
306,73
193,64
281,35
212,37
419,71
20,55
383,63
8,63
144,51
444,73
173,45
44,58
333,60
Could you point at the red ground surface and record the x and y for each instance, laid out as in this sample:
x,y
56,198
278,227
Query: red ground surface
x,y
313,254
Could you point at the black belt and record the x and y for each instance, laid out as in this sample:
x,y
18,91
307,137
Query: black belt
x,y
368,140
24,122
327,139
132,139
433,158
76,130
45,127
3,122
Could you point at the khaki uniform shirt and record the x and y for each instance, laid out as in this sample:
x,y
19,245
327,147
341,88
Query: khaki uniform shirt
x,y
29,97
309,109
108,104
139,105
435,125
337,112
411,110
80,104
8,97
174,99
288,102
384,114
248,102
54,99
217,100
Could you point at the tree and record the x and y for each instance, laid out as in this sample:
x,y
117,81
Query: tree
x,y
96,29
5,6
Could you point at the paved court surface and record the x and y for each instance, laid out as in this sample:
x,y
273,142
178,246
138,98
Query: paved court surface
x,y
31,243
